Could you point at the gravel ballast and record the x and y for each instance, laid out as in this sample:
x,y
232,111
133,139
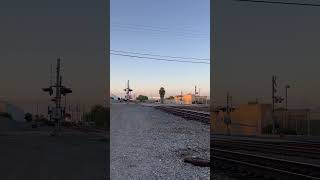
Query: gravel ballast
x,y
147,143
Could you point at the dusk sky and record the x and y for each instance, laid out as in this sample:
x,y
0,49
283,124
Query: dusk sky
x,y
254,41
166,27
35,33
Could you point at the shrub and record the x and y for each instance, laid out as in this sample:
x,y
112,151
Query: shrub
x,y
99,115
142,98
5,115
28,117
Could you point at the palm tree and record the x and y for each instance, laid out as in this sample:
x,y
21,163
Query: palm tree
x,y
162,92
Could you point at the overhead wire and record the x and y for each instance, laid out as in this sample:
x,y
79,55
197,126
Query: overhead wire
x,y
280,2
147,54
160,59
182,33
178,35
159,28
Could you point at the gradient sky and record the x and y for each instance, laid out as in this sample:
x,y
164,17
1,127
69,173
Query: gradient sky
x,y
184,31
34,33
255,41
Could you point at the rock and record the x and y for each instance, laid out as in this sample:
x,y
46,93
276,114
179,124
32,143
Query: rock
x,y
197,161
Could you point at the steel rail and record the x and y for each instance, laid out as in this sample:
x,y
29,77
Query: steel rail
x,y
266,165
266,147
187,114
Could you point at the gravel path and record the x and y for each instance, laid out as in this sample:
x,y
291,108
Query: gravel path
x,y
149,144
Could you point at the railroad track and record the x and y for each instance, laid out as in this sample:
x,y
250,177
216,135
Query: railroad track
x,y
201,116
280,148
245,165
195,108
87,129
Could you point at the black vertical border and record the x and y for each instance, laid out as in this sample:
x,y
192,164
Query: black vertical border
x,y
107,95
212,59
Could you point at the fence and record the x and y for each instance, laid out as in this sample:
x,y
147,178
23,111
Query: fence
x,y
302,122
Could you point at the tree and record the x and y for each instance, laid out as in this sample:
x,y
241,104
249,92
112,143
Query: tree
x,y
142,98
28,117
5,115
162,92
99,115
170,97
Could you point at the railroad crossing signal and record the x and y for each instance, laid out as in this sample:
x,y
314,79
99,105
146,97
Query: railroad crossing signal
x,y
57,112
278,99
128,90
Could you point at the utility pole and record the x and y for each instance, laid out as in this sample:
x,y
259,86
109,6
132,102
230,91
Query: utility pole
x,y
50,82
308,120
58,96
286,90
227,107
69,110
231,103
199,95
286,103
195,94
274,84
50,85
227,118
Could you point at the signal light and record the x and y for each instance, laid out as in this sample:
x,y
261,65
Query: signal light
x,y
65,91
50,90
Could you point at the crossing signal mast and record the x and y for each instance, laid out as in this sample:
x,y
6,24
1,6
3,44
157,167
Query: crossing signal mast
x,y
275,99
128,90
57,113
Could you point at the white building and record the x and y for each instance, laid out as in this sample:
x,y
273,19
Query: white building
x,y
16,112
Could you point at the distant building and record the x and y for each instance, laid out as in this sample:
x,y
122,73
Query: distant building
x,y
256,119
178,99
16,112
247,119
154,98
293,119
190,99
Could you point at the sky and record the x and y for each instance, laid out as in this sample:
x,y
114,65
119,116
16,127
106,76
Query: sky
x,y
35,33
166,27
254,41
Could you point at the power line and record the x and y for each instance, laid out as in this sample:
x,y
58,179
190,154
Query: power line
x,y
158,28
160,59
180,35
177,57
280,2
